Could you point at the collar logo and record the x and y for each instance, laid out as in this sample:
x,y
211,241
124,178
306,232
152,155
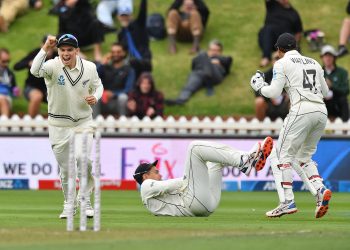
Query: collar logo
x,y
61,80
84,83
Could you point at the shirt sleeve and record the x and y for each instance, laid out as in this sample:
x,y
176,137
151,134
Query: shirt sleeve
x,y
277,84
40,68
96,84
153,188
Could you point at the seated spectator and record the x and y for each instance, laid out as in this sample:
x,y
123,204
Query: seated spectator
x,y
208,69
77,18
35,88
134,36
338,83
274,107
7,83
106,9
118,78
186,21
344,34
280,17
10,9
145,100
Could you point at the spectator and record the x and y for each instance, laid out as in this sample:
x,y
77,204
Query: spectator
x,y
7,83
10,9
35,88
338,83
145,100
208,69
344,34
274,107
280,17
186,21
106,9
134,36
118,78
77,18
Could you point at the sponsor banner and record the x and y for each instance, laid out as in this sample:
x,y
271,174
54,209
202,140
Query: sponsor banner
x,y
297,186
344,186
14,184
229,186
269,186
105,185
32,158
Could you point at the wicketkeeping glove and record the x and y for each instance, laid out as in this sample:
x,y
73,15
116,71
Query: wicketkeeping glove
x,y
258,81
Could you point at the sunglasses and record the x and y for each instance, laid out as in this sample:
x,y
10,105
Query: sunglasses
x,y
68,36
5,61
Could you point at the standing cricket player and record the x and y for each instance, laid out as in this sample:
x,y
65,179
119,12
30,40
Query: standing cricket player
x,y
73,86
198,192
303,80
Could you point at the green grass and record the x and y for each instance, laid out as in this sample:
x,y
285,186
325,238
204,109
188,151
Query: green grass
x,y
235,22
29,220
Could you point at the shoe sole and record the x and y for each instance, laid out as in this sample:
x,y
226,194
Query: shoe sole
x,y
277,216
325,203
267,146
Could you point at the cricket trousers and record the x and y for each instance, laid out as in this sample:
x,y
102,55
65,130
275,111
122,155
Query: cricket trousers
x,y
203,174
59,138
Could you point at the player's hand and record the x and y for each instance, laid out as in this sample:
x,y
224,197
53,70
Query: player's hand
x,y
257,81
50,43
91,100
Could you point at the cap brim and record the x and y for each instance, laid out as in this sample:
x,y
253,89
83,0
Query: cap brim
x,y
67,43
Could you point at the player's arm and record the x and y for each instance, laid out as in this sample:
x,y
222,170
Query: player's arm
x,y
273,90
39,67
152,188
97,88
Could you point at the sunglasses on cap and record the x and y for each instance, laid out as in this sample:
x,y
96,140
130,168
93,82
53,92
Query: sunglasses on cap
x,y
67,36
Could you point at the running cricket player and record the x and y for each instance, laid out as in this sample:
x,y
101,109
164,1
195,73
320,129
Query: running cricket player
x,y
73,86
198,192
303,80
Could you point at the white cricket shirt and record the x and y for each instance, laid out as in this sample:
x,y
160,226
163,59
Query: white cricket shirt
x,y
302,78
164,197
67,89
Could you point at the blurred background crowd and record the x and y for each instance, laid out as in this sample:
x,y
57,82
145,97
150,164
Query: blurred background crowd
x,y
117,35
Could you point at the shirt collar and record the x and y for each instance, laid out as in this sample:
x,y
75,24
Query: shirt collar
x,y
292,52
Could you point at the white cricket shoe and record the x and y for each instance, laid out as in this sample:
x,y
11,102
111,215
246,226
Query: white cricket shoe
x,y
256,157
283,208
90,212
322,201
65,212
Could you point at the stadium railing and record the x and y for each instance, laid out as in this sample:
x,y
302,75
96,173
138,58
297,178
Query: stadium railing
x,y
125,126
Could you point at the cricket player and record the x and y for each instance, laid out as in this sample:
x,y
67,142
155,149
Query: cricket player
x,y
303,80
198,192
73,86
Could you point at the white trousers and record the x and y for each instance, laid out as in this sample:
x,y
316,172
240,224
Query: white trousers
x,y
299,136
203,173
59,138
297,142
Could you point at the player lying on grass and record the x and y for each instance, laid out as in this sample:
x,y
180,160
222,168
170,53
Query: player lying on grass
x,y
198,192
303,79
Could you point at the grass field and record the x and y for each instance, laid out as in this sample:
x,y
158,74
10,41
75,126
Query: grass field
x,y
29,220
235,22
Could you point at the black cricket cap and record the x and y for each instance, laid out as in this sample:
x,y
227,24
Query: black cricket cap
x,y
286,41
67,39
142,169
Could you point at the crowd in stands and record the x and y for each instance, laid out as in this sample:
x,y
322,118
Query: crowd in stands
x,y
126,70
